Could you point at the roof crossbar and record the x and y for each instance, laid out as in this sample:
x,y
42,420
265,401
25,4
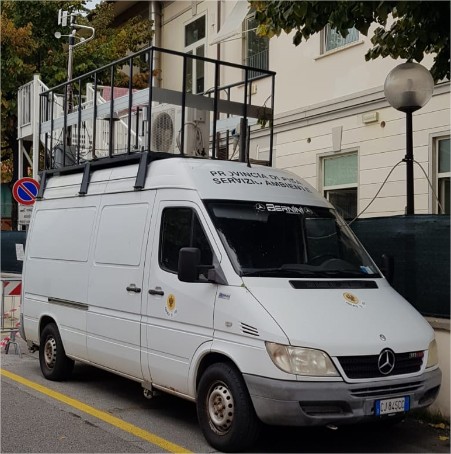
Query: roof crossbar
x,y
86,178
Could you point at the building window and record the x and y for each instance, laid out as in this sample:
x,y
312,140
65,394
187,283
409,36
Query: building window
x,y
340,183
256,49
195,45
334,40
443,175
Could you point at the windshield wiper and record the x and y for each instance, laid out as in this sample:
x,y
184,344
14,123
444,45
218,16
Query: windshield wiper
x,y
282,271
347,273
302,270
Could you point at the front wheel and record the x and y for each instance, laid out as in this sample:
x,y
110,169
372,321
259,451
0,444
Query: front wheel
x,y
55,365
224,409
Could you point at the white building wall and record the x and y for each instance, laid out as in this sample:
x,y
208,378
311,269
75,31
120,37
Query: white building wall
x,y
175,16
380,146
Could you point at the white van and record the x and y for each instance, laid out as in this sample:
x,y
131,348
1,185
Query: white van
x,y
234,286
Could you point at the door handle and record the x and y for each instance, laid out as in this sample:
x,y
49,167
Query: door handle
x,y
156,291
133,288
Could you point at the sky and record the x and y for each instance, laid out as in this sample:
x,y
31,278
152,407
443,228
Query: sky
x,y
92,4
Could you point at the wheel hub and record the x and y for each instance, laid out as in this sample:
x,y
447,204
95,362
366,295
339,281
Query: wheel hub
x,y
50,352
221,407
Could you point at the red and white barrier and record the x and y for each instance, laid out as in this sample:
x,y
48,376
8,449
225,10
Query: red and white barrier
x,y
12,288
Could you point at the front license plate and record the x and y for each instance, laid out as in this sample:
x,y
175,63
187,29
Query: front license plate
x,y
395,405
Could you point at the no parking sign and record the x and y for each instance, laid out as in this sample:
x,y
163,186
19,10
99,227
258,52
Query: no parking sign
x,y
25,191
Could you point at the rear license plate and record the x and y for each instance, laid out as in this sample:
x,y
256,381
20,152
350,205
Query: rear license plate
x,y
395,405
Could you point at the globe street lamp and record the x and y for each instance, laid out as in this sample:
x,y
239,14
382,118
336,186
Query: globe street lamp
x,y
407,88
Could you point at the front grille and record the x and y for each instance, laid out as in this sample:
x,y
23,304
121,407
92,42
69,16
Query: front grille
x,y
367,366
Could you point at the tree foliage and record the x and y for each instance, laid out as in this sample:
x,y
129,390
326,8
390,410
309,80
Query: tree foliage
x,y
29,46
17,44
406,30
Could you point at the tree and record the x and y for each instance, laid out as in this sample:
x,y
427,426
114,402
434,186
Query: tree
x,y
418,28
29,46
17,45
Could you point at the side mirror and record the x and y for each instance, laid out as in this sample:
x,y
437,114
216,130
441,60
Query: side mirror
x,y
189,261
388,267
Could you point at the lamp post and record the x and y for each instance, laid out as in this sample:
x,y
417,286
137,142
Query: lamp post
x,y
62,20
70,61
408,87
72,46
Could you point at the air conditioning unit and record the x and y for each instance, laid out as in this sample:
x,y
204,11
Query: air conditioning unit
x,y
166,124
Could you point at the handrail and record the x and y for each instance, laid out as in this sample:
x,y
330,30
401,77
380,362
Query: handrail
x,y
179,117
266,72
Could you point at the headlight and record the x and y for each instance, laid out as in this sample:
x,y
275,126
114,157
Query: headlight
x,y
432,354
301,361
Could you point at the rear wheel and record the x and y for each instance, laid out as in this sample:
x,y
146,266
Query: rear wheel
x,y
224,409
55,365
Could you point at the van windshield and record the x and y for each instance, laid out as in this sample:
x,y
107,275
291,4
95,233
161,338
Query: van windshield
x,y
278,240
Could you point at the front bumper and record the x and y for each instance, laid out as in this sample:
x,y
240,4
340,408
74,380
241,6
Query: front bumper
x,y
297,403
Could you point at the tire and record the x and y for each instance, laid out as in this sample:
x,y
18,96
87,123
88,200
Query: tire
x,y
239,427
55,365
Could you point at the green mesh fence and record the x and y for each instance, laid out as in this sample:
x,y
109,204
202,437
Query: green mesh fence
x,y
9,240
420,247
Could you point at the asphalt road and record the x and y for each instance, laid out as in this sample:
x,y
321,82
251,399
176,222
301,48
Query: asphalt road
x,y
98,412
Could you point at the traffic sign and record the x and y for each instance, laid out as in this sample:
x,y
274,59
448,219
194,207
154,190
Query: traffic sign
x,y
25,214
25,191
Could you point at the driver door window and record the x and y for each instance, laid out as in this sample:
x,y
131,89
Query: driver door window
x,y
180,227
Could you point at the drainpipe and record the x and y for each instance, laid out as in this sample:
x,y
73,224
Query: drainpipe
x,y
218,27
221,154
155,16
36,121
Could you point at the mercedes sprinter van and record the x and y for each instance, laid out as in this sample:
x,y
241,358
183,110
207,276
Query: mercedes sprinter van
x,y
236,287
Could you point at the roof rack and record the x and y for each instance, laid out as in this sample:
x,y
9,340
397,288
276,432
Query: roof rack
x,y
116,115
142,158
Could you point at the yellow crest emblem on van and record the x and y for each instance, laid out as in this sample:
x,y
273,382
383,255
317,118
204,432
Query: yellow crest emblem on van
x,y
170,302
350,298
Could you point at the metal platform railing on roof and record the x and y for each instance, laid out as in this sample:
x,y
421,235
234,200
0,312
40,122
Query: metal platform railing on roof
x,y
122,109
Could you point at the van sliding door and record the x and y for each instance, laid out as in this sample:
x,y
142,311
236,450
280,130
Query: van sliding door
x,y
116,281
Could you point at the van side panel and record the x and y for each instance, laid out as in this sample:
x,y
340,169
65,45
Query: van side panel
x,y
114,316
58,269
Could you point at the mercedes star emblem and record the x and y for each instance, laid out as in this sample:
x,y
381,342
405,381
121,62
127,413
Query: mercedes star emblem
x,y
386,361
